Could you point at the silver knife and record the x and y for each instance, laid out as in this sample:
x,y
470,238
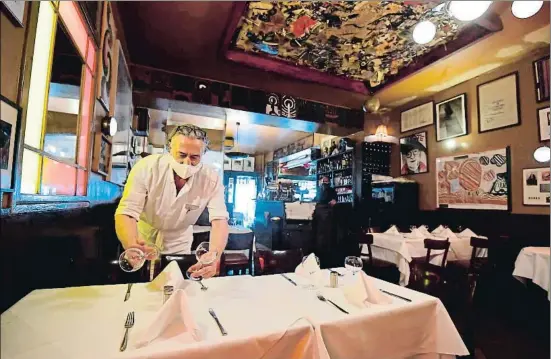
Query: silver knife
x,y
213,314
395,295
127,296
289,279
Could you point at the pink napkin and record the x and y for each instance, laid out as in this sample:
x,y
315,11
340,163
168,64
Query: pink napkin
x,y
310,265
467,233
424,230
173,322
438,229
363,293
392,230
447,233
171,275
415,234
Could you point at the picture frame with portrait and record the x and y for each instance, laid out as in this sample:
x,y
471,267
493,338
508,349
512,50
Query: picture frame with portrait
x,y
414,154
543,124
451,118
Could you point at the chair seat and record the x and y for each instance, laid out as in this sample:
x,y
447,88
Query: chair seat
x,y
236,259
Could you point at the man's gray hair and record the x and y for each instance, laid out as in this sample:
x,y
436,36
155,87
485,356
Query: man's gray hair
x,y
190,131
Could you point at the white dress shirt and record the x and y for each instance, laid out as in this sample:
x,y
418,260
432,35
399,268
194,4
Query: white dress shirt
x,y
164,216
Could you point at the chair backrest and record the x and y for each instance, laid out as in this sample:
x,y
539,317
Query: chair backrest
x,y
284,261
477,243
241,241
437,244
367,239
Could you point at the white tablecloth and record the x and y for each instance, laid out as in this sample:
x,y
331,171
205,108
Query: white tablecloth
x,y
232,229
266,317
533,263
400,250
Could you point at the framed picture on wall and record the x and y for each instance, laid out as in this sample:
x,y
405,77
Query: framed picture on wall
x,y
417,117
498,103
543,124
536,186
541,78
106,64
451,118
9,134
414,154
15,10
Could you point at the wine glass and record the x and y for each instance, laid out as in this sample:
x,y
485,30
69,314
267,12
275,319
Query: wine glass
x,y
353,264
132,259
205,257
311,272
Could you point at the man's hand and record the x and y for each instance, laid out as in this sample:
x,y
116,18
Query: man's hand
x,y
143,246
204,271
332,203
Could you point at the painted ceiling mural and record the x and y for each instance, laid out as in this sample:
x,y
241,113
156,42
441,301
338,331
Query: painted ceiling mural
x,y
367,41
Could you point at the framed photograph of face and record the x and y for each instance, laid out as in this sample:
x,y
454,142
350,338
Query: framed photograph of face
x,y
414,155
451,118
535,183
543,123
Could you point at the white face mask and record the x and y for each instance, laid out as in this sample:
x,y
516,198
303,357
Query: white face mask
x,y
183,170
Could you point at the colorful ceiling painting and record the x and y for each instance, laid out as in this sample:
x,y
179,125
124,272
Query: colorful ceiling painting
x,y
365,41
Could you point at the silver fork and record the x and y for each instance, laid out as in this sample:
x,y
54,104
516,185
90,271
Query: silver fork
x,y
203,287
128,324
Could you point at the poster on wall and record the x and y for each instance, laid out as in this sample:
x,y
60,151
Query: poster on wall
x,y
451,118
474,181
498,103
413,150
536,186
9,115
544,123
417,117
541,77
106,58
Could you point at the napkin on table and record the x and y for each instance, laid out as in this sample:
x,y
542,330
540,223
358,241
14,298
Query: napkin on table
x,y
424,230
416,234
171,275
392,230
173,322
310,265
447,233
467,233
438,229
363,293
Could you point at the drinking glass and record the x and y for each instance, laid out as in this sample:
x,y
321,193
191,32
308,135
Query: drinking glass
x,y
353,264
311,273
132,259
205,257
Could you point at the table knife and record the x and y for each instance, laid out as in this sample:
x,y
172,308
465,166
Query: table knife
x,y
213,314
289,279
127,296
395,295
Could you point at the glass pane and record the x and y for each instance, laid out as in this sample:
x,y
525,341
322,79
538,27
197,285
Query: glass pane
x,y
58,178
31,172
38,85
60,135
72,19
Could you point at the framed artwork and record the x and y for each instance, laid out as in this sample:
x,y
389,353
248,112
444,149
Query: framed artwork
x,y
536,186
9,134
498,103
414,154
451,118
92,11
541,78
417,117
106,58
543,124
15,10
474,181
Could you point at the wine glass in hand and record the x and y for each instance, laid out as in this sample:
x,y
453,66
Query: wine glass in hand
x,y
205,257
132,259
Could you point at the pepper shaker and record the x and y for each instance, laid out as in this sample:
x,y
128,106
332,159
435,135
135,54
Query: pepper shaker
x,y
333,280
167,292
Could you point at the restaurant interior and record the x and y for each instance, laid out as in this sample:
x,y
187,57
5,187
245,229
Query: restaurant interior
x,y
385,164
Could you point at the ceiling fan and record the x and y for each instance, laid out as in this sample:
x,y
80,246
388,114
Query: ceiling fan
x,y
372,105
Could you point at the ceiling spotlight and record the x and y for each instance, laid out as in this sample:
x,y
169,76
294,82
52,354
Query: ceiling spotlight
x,y
109,126
424,32
468,10
542,154
525,9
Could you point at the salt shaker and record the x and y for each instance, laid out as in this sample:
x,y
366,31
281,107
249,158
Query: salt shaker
x,y
333,280
167,292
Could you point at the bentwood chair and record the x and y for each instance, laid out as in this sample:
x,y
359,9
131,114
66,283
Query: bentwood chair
x,y
376,267
237,262
282,261
427,277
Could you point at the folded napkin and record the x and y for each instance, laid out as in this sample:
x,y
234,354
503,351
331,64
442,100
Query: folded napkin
x,y
308,267
393,230
424,230
438,229
171,275
416,234
173,322
363,293
447,233
467,233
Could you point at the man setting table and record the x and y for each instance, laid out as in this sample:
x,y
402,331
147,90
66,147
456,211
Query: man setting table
x,y
166,193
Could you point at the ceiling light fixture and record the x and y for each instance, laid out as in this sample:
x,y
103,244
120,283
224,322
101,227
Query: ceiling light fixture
x,y
542,154
468,10
109,126
235,154
526,9
424,32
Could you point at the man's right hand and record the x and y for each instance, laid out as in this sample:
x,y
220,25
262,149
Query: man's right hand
x,y
141,245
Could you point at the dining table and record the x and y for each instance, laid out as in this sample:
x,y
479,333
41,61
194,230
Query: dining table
x,y
402,248
266,317
533,264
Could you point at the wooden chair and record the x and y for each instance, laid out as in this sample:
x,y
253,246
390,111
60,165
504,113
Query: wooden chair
x,y
282,261
428,277
238,263
376,267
